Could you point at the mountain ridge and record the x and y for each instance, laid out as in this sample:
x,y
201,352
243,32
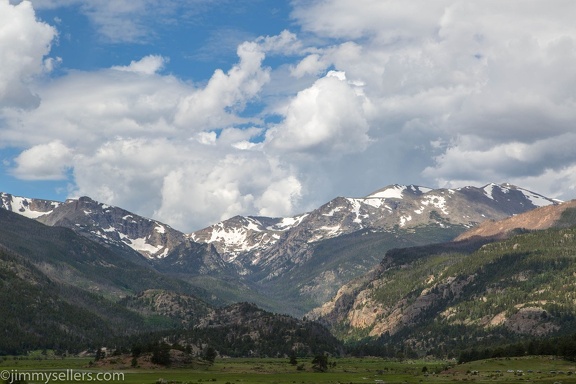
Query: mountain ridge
x,y
537,219
290,264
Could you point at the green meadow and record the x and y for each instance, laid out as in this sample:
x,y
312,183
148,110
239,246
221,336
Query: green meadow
x,y
341,370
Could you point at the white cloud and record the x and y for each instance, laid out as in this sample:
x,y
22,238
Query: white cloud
x,y
86,109
44,162
211,188
138,142
24,42
148,65
491,78
217,104
279,198
310,65
436,93
326,119
285,43
390,21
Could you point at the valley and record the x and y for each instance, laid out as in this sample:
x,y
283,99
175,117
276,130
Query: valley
x,y
406,270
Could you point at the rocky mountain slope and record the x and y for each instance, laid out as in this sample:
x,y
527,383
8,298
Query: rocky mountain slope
x,y
307,257
62,291
553,216
476,290
292,264
101,222
393,206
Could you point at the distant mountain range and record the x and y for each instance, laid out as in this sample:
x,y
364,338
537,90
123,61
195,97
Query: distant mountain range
x,y
288,265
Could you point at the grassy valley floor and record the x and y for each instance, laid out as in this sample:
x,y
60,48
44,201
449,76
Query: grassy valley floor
x,y
279,371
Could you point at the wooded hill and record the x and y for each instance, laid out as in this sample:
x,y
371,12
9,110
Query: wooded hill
x,y
443,298
62,291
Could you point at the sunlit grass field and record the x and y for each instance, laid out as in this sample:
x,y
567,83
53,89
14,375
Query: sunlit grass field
x,y
342,370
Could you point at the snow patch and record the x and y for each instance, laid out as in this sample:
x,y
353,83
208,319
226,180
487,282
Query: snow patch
x,y
21,206
436,201
375,202
405,219
287,223
489,190
254,225
326,232
355,209
393,192
536,199
141,245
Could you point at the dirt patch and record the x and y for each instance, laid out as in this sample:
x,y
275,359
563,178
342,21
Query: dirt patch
x,y
539,218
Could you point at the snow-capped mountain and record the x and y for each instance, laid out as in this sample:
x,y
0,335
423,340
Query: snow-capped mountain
x,y
393,206
104,223
296,263
30,208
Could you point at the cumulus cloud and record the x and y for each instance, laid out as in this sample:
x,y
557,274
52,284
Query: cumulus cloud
x,y
326,119
219,188
490,78
87,108
24,42
134,138
310,65
44,162
367,93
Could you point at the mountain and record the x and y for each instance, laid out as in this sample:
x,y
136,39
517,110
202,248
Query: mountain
x,y
304,259
293,264
60,290
393,206
242,329
480,290
106,224
63,291
66,257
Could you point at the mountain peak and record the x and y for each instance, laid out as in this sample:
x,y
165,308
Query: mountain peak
x,y
396,191
495,191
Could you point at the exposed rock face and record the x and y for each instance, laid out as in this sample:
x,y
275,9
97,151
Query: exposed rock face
x,y
356,305
111,224
187,310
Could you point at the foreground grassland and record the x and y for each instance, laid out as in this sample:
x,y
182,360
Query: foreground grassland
x,y
346,370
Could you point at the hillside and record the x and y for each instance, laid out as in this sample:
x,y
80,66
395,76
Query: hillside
x,y
448,296
553,216
62,291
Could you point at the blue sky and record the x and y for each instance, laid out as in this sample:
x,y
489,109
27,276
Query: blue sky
x,y
195,111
